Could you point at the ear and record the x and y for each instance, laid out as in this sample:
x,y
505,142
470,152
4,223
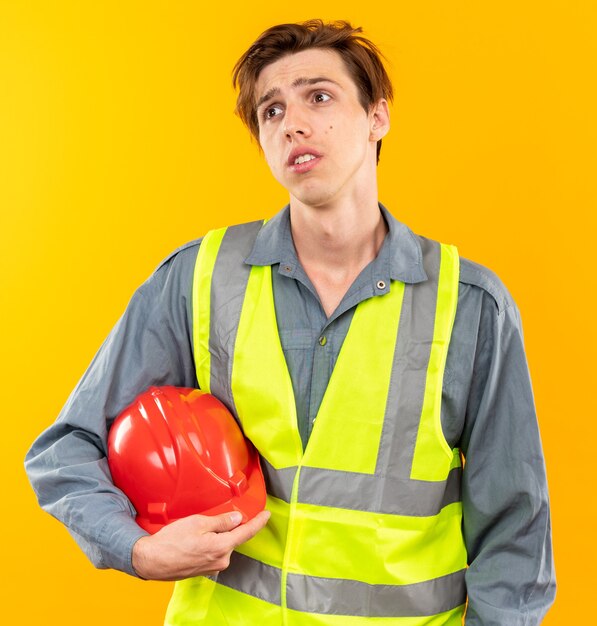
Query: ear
x,y
379,118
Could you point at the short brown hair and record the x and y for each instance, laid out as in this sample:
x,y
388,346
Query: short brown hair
x,y
361,57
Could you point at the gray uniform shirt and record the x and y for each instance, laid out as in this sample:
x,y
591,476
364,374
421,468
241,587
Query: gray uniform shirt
x,y
487,411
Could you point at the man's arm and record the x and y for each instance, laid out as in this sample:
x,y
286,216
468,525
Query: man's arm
x,y
67,466
507,530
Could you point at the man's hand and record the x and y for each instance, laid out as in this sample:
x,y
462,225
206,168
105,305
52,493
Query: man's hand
x,y
193,546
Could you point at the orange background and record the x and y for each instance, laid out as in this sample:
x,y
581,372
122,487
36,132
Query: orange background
x,y
118,143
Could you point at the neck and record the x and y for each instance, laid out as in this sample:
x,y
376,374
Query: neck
x,y
344,237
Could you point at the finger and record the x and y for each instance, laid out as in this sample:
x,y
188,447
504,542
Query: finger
x,y
223,523
252,527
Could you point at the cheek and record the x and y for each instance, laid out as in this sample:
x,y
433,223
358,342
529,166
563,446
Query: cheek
x,y
268,151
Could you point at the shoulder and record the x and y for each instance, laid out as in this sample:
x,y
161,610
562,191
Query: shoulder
x,y
476,282
479,283
186,254
173,275
481,278
181,261
182,255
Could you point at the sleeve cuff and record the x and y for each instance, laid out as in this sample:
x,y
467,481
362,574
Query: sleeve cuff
x,y
116,541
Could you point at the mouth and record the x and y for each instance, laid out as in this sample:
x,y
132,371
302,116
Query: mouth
x,y
303,160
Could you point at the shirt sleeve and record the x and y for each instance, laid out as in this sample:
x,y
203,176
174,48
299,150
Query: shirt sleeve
x,y
510,579
150,345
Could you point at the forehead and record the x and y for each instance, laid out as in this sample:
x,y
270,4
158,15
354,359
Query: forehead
x,y
315,62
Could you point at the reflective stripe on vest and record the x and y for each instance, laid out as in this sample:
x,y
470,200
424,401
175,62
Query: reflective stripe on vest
x,y
366,523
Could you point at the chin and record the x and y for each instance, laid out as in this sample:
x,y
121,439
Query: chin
x,y
314,201
313,197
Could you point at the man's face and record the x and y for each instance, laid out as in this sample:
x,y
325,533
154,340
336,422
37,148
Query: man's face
x,y
317,138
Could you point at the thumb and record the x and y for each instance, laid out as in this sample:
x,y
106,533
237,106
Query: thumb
x,y
224,522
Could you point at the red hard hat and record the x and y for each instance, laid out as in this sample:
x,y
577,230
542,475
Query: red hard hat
x,y
177,451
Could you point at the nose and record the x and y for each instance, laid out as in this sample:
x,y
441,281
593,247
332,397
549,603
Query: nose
x,y
295,122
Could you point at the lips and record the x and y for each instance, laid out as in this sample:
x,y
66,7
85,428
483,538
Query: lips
x,y
303,159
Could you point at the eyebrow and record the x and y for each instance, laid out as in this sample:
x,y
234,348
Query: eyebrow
x,y
299,82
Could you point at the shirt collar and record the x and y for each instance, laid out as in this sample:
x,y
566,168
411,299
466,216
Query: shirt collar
x,y
399,258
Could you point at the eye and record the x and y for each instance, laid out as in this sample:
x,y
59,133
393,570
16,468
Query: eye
x,y
272,111
321,96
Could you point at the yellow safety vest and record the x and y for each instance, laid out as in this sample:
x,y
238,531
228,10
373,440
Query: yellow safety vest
x,y
365,524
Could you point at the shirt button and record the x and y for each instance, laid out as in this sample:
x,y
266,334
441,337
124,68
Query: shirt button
x,y
322,340
381,284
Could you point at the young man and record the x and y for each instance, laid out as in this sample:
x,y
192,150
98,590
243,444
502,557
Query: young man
x,y
363,362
